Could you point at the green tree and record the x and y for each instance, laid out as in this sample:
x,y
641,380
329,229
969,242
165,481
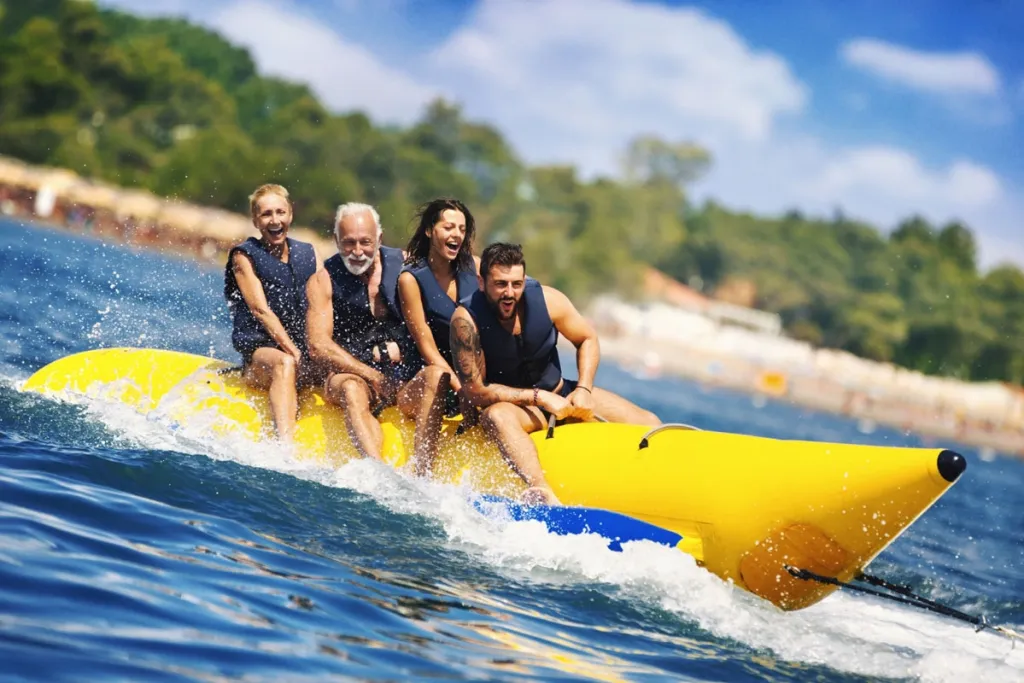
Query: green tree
x,y
956,244
473,150
18,13
36,82
914,230
1002,307
170,106
651,159
212,167
873,325
203,51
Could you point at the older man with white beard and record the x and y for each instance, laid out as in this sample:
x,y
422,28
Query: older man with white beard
x,y
356,331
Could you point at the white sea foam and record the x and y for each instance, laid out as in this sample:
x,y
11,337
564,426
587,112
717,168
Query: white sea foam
x,y
846,633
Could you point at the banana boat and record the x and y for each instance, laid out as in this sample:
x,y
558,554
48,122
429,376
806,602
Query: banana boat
x,y
749,509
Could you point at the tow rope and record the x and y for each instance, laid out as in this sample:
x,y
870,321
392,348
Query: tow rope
x,y
905,596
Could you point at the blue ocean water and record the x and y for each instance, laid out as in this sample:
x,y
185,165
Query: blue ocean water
x,y
129,551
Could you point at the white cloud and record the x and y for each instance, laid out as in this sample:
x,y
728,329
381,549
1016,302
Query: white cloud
x,y
572,80
880,185
286,43
937,72
193,9
576,70
569,81
363,5
897,174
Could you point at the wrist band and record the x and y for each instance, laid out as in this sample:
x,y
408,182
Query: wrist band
x,y
584,389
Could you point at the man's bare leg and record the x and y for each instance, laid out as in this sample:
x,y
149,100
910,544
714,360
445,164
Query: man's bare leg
x,y
421,399
614,408
351,393
510,426
273,371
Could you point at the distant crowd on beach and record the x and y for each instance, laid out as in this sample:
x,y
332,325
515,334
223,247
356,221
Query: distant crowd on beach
x,y
988,416
131,216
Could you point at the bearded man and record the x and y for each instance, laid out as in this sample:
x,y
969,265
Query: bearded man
x,y
356,331
504,346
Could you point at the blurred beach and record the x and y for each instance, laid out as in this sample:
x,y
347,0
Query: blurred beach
x,y
668,329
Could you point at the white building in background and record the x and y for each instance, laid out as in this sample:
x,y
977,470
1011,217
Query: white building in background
x,y
716,331
681,318
661,288
741,316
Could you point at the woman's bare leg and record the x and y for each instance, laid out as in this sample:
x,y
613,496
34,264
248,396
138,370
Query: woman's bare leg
x,y
422,399
273,371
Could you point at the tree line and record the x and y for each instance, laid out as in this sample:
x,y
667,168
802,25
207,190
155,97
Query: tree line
x,y
177,109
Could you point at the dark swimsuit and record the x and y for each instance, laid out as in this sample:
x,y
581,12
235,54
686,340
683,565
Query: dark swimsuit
x,y
438,309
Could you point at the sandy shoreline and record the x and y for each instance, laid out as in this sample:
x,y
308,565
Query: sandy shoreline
x,y
721,370
816,391
863,393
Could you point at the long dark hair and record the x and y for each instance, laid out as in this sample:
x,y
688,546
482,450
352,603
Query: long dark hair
x,y
429,215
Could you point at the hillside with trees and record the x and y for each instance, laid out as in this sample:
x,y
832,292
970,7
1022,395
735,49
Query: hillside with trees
x,y
175,108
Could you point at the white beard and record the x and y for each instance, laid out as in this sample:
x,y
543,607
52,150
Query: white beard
x,y
357,267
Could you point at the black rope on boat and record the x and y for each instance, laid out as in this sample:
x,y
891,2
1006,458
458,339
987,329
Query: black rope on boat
x,y
904,596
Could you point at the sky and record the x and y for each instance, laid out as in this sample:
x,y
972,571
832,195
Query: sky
x,y
876,108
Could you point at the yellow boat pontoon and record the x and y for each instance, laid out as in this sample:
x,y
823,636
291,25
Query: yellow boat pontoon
x,y
749,509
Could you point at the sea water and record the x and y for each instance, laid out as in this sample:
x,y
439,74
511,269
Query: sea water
x,y
133,551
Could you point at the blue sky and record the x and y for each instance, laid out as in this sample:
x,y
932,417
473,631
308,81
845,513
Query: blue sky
x,y
881,108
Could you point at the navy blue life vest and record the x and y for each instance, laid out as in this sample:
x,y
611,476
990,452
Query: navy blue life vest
x,y
437,305
527,360
284,286
355,328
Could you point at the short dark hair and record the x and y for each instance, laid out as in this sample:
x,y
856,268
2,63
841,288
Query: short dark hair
x,y
501,254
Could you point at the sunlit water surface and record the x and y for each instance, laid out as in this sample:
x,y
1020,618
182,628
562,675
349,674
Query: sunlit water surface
x,y
129,550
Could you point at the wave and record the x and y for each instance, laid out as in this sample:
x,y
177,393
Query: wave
x,y
364,516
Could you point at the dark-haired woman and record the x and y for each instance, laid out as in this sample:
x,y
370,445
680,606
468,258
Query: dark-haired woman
x,y
440,271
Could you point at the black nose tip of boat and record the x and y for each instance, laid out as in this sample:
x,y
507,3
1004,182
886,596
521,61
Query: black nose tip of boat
x,y
951,465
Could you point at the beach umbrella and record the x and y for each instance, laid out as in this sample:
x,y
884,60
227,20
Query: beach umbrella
x,y
12,171
229,228
94,195
57,179
138,203
182,218
323,247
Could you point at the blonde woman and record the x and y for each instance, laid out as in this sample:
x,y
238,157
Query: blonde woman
x,y
265,286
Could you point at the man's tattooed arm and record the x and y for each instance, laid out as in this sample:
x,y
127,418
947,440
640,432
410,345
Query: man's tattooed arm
x,y
470,366
466,351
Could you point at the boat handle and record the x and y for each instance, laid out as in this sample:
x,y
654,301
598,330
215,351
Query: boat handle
x,y
645,441
551,426
552,420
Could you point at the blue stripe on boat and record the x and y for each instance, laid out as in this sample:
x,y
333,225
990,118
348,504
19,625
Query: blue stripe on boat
x,y
568,520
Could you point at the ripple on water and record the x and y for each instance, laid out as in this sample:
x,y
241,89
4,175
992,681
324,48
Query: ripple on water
x,y
131,551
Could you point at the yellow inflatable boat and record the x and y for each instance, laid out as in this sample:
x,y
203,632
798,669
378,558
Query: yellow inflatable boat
x,y
745,507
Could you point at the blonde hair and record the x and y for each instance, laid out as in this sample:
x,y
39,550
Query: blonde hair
x,y
263,191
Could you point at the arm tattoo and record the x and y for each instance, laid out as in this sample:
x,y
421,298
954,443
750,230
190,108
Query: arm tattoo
x,y
469,365
466,352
